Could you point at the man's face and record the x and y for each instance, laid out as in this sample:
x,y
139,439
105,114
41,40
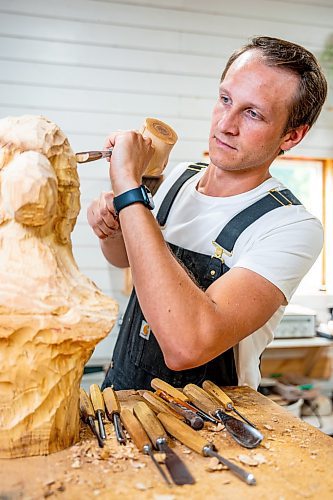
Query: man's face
x,y
251,113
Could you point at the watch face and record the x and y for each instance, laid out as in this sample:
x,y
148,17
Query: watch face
x,y
148,197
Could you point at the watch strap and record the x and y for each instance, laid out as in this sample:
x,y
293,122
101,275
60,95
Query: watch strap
x,y
135,195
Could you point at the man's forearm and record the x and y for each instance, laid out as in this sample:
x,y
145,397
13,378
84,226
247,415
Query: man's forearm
x,y
114,251
174,306
191,326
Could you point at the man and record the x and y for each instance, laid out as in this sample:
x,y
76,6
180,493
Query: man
x,y
212,308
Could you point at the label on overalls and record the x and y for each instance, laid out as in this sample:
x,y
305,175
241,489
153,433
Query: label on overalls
x,y
144,330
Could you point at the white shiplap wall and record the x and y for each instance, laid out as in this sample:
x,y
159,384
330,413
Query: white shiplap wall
x,y
97,65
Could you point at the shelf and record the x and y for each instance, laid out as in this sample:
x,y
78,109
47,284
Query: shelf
x,y
299,342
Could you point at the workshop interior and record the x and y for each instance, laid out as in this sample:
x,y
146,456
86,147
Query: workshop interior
x,y
72,72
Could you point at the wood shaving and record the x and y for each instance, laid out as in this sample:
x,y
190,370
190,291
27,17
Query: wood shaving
x,y
160,457
137,465
143,486
248,460
213,465
104,454
260,458
268,427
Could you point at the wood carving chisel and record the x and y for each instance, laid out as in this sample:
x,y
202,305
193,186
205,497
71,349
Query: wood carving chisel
x,y
140,438
112,408
191,417
222,398
88,415
158,405
197,443
153,427
86,156
243,433
160,385
99,407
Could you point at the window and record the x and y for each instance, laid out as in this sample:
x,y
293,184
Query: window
x,y
310,179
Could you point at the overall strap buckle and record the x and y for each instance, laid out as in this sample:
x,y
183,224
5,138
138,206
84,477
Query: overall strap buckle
x,y
219,251
277,194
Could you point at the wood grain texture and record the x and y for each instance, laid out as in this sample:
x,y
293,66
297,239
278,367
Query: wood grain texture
x,y
297,458
51,315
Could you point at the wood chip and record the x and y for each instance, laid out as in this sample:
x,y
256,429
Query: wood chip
x,y
160,457
260,458
248,460
104,454
143,486
213,464
138,465
268,427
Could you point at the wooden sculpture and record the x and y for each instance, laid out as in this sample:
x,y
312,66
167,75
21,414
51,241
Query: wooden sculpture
x,y
51,315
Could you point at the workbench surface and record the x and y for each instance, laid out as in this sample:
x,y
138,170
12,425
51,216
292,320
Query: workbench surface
x,y
293,461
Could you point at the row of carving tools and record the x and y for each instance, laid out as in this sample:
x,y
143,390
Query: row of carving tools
x,y
177,413
96,406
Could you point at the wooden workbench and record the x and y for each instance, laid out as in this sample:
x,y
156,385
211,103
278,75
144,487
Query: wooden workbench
x,y
295,462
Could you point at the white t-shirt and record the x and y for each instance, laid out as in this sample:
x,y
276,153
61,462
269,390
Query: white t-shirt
x,y
281,246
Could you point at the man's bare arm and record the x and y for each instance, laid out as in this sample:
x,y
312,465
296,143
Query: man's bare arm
x,y
105,224
192,326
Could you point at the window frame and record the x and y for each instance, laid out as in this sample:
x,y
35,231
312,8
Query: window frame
x,y
327,211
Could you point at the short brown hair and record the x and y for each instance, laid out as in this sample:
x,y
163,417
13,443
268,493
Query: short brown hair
x,y
307,104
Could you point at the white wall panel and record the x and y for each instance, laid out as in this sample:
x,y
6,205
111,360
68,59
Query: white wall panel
x,y
97,65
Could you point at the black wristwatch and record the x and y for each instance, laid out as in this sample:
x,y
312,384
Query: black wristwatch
x,y
140,194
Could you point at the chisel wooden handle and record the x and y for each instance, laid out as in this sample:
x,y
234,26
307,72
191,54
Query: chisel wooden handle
x,y
200,398
158,405
111,401
184,409
149,421
183,433
97,398
134,429
86,407
221,397
159,384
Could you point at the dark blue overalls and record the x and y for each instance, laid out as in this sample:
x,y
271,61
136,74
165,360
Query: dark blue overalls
x,y
137,357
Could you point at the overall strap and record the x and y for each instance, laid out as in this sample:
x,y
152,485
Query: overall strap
x,y
166,204
225,242
233,229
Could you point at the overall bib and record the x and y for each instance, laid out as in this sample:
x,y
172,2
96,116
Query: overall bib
x,y
137,357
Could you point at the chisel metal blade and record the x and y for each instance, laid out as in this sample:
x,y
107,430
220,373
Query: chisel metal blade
x,y
176,467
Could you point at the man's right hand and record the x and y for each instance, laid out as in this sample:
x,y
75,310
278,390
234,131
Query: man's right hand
x,y
102,217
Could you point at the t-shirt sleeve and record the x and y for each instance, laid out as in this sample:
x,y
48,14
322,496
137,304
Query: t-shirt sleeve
x,y
285,254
